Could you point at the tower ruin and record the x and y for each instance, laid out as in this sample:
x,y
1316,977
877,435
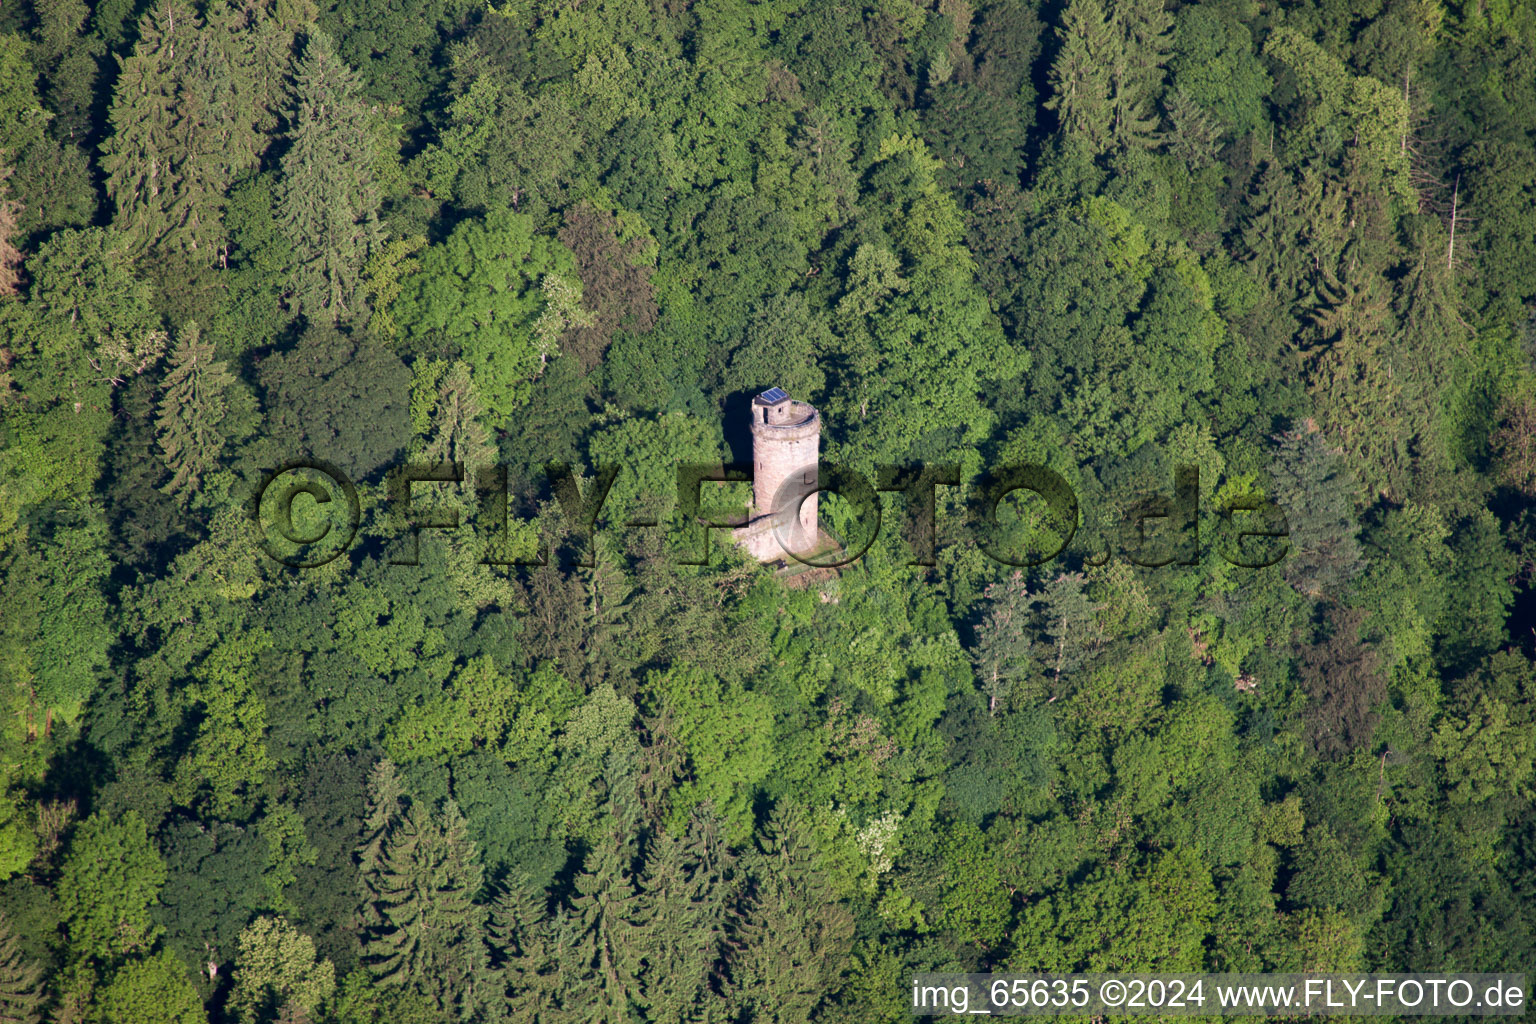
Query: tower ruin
x,y
786,447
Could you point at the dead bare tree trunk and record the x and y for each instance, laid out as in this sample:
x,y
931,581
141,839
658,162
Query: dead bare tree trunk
x,y
1450,248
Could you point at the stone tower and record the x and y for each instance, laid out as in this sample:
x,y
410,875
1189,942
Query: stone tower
x,y
786,446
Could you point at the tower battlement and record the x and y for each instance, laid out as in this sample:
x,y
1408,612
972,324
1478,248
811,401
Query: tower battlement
x,y
786,447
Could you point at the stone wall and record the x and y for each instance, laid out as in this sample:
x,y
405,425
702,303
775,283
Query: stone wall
x,y
786,446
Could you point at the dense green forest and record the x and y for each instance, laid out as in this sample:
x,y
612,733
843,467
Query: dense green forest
x,y
1292,244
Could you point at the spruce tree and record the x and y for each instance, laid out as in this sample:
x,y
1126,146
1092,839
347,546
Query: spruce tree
x,y
257,48
68,55
455,433
1002,654
1143,27
1273,231
569,976
1317,492
600,937
714,884
199,128
426,930
190,112
220,111
1070,621
667,932
144,158
790,939
60,24
386,801
1080,76
21,990
1358,379
1109,72
519,933
680,920
192,407
328,202
1193,134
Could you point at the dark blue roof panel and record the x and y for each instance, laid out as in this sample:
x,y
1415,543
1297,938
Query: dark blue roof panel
x,y
773,395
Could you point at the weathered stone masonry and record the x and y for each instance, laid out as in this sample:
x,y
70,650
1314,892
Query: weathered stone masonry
x,y
786,446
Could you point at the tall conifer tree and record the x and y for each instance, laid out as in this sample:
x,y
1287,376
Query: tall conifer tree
x,y
1109,72
1003,641
220,115
421,881
790,940
601,950
680,920
328,204
1193,134
190,114
1317,491
518,931
192,406
1070,621
258,48
1080,76
21,990
144,157
1143,27
386,800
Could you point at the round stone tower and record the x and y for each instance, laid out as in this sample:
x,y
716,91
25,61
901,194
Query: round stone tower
x,y
786,446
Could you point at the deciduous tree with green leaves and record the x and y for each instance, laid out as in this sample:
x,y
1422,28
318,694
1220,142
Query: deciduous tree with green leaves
x,y
110,879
